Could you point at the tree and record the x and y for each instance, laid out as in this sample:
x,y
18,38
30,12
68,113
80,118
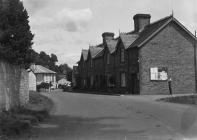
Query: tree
x,y
54,58
15,37
65,69
44,59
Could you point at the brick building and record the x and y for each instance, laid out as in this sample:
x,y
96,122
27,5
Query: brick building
x,y
142,61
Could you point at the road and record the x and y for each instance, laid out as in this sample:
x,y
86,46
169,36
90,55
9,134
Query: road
x,y
78,116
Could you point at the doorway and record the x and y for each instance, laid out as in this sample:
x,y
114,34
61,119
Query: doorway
x,y
134,84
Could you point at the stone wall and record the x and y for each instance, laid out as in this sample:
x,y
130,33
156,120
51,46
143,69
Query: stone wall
x,y
24,87
13,86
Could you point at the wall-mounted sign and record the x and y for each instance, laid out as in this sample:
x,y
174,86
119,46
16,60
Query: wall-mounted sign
x,y
160,74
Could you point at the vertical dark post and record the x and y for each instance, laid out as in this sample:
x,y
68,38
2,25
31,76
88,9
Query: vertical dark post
x,y
195,62
170,85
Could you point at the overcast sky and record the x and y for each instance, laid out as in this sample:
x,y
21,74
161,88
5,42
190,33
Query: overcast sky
x,y
64,27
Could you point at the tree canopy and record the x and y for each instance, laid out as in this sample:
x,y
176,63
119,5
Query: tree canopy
x,y
16,39
15,35
65,69
49,61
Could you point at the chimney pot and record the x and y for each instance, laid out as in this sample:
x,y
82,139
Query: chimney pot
x,y
107,36
140,21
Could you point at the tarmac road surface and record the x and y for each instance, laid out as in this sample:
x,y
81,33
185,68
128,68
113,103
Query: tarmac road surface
x,y
78,116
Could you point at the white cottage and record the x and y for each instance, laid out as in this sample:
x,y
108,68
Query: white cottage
x,y
41,74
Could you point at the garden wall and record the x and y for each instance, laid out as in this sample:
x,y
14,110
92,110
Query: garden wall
x,y
13,86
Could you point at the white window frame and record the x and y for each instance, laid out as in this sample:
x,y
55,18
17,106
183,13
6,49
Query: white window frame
x,y
158,74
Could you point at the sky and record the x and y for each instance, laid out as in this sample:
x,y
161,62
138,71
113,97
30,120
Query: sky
x,y
65,27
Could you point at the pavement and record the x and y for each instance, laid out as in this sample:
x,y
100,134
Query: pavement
x,y
78,116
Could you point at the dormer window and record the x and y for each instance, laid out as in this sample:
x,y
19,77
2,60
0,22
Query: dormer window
x,y
122,55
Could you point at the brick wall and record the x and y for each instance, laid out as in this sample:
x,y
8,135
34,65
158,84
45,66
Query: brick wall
x,y
10,81
171,48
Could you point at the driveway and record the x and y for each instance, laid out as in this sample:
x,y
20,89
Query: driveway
x,y
78,116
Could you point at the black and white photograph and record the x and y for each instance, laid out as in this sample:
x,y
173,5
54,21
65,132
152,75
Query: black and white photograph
x,y
98,70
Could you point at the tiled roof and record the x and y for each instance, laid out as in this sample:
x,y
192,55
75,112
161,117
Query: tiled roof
x,y
85,54
149,30
100,45
100,54
128,39
40,69
111,44
94,50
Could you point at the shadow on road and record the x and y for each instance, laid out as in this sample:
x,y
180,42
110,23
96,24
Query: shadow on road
x,y
68,127
188,121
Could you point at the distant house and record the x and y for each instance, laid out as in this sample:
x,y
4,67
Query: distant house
x,y
64,81
42,74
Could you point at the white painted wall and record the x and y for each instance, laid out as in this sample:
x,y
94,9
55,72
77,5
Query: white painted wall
x,y
32,81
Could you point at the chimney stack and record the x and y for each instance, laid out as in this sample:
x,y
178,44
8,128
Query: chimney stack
x,y
107,36
140,21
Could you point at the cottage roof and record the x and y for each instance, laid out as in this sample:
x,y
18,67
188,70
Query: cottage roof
x,y
111,44
40,69
150,30
85,54
128,39
100,54
94,51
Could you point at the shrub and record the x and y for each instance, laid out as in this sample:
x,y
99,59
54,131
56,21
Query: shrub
x,y
44,85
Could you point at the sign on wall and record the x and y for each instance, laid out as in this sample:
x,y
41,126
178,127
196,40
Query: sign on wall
x,y
158,74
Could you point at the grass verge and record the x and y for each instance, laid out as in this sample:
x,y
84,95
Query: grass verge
x,y
20,121
190,99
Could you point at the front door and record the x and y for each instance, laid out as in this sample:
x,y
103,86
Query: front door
x,y
134,84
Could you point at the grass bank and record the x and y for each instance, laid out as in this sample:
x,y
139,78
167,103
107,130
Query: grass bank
x,y
19,121
188,99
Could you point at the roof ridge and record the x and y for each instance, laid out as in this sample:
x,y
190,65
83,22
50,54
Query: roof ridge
x,y
150,29
40,67
159,20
